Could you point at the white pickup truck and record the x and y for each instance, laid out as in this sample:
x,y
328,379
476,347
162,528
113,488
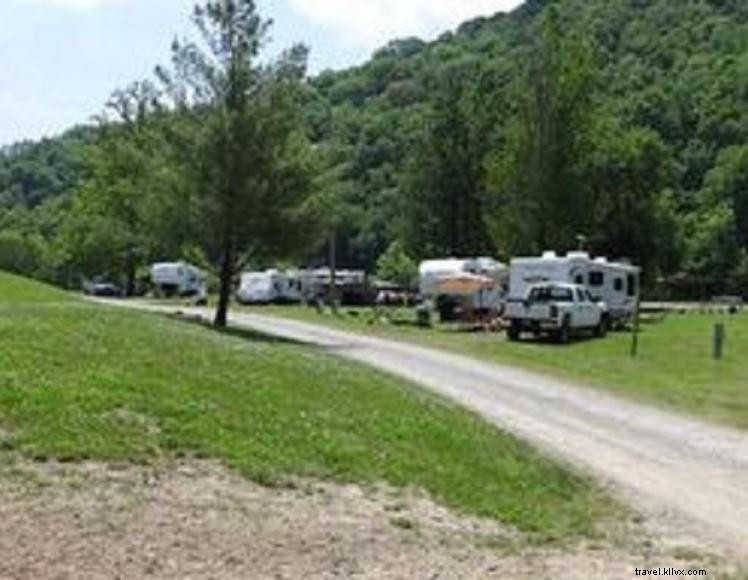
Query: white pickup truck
x,y
559,310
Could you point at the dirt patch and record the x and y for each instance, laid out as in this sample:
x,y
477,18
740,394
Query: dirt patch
x,y
125,418
200,520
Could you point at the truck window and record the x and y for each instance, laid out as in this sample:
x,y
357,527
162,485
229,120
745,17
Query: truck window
x,y
551,294
581,296
618,285
597,279
632,285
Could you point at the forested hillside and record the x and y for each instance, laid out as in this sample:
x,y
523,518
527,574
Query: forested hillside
x,y
623,122
37,182
429,129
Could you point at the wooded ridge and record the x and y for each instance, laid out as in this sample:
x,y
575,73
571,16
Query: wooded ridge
x,y
624,122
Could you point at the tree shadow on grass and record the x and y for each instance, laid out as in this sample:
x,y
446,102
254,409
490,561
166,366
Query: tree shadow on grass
x,y
578,338
248,334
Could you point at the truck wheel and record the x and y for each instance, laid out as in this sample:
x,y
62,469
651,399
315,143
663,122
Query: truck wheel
x,y
601,330
563,335
513,332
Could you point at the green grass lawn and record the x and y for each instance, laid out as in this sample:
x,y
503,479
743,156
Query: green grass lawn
x,y
79,381
674,369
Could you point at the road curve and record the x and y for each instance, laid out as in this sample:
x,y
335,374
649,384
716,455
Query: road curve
x,y
691,472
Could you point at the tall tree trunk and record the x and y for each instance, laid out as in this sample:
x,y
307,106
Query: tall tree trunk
x,y
332,291
130,274
225,280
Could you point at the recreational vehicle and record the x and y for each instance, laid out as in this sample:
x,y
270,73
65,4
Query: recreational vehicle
x,y
615,283
351,286
483,281
271,286
178,279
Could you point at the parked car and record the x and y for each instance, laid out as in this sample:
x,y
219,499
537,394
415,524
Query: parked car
x,y
559,310
103,289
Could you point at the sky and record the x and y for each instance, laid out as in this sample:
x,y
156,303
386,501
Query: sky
x,y
61,59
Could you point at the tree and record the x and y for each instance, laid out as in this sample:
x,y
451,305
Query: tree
x,y
20,254
444,189
245,144
676,71
395,265
331,207
712,246
727,183
540,201
110,203
625,174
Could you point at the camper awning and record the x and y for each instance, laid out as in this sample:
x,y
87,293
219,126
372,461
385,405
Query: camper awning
x,y
465,284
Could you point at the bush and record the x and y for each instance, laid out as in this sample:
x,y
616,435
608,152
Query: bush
x,y
20,254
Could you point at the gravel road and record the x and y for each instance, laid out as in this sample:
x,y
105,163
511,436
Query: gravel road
x,y
689,476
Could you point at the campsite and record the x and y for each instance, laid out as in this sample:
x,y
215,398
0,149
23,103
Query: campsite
x,y
375,290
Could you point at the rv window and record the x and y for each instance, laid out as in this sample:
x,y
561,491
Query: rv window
x,y
579,279
632,289
618,285
597,279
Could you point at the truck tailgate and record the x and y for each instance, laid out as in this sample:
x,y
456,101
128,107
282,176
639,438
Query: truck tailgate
x,y
522,310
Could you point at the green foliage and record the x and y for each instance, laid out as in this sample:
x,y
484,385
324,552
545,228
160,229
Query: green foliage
x,y
727,183
445,193
712,243
625,176
114,222
242,139
18,253
647,97
31,173
622,121
542,201
395,265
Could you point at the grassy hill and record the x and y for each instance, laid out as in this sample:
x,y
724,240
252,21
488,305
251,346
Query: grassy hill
x,y
15,290
82,382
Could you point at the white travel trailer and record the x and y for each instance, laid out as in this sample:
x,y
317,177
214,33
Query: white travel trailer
x,y
271,286
615,283
178,279
433,273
